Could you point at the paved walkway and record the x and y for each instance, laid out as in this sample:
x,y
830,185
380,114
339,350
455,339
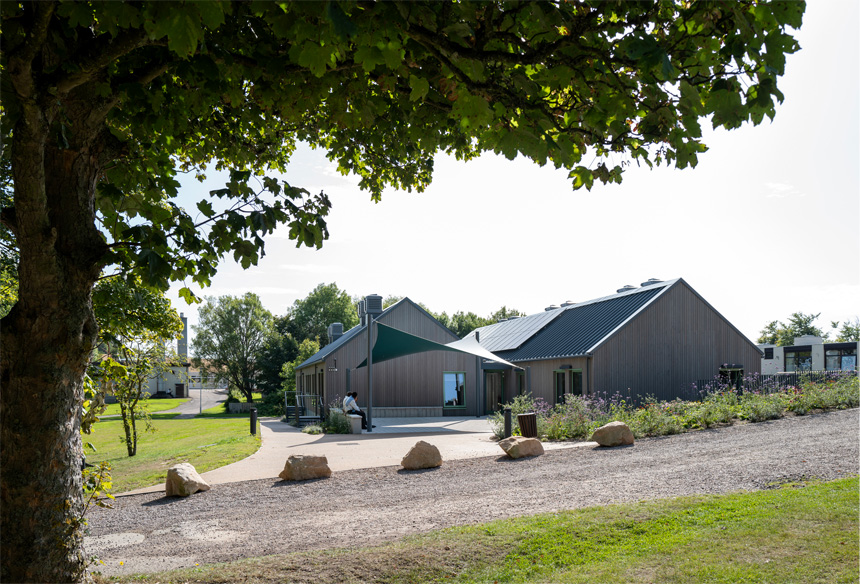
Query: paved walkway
x,y
456,438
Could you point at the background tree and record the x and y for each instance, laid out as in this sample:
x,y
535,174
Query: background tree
x,y
229,336
307,349
136,329
849,331
783,334
104,102
278,349
310,317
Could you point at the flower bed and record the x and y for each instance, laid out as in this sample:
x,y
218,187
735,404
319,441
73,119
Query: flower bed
x,y
579,416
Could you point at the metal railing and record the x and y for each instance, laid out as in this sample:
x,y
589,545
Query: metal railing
x,y
303,408
764,383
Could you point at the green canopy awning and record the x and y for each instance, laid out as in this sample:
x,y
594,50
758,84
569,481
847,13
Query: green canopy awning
x,y
392,343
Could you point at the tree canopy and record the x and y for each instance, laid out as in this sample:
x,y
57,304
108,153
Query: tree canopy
x,y
783,334
105,103
229,336
310,317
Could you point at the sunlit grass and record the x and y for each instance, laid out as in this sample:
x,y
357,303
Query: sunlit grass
x,y
205,442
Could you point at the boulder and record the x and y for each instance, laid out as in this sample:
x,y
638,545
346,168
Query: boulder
x,y
301,467
613,434
422,455
519,446
183,480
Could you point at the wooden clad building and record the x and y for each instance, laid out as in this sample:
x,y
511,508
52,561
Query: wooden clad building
x,y
656,340
434,383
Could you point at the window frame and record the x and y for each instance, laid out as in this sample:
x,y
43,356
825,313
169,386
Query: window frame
x,y
459,406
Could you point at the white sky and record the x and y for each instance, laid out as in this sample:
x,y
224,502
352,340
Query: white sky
x,y
765,225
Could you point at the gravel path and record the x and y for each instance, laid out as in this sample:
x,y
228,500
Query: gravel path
x,y
365,507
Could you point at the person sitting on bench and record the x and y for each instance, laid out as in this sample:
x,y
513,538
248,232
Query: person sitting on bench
x,y
351,407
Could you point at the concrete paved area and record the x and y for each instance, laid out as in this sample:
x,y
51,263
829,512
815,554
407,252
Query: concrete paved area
x,y
456,438
199,400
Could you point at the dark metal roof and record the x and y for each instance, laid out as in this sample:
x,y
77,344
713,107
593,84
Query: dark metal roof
x,y
332,347
510,334
577,329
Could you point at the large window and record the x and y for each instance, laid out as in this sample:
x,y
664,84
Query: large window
x,y
840,359
454,389
798,360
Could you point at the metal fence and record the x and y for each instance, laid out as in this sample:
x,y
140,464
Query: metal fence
x,y
770,383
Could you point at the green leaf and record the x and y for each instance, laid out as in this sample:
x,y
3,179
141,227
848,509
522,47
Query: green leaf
x,y
341,23
315,57
419,86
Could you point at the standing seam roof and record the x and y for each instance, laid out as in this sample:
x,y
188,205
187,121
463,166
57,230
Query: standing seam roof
x,y
579,329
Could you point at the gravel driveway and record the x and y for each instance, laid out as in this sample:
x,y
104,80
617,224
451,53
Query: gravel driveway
x,y
364,507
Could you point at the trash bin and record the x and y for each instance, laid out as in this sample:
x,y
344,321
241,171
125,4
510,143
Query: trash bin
x,y
528,424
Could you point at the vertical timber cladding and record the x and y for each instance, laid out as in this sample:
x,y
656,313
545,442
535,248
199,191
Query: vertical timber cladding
x,y
412,381
674,342
543,375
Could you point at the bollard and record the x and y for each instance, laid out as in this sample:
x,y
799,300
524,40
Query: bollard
x,y
253,421
507,422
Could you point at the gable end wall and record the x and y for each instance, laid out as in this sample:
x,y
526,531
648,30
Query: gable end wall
x,y
676,341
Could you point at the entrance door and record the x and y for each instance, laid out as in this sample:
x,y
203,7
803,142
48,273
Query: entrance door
x,y
559,387
494,384
575,383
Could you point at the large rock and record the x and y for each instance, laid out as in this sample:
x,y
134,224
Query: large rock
x,y
519,446
183,480
422,455
613,434
301,467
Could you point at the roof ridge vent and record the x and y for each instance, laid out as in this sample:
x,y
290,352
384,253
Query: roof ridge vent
x,y
651,282
551,307
567,303
626,288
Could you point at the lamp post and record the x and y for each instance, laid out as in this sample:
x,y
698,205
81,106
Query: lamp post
x,y
370,373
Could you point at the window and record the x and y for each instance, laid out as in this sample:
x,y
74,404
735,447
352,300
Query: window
x,y
521,383
768,353
798,360
454,389
840,359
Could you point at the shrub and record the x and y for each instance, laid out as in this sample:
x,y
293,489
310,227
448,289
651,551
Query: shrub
x,y
313,429
521,404
336,422
272,404
758,407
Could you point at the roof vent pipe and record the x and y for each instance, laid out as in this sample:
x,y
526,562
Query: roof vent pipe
x,y
373,304
334,331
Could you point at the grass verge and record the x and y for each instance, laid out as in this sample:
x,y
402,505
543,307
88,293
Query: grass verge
x,y
154,405
801,533
207,443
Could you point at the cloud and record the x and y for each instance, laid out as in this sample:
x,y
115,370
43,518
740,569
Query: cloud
x,y
782,191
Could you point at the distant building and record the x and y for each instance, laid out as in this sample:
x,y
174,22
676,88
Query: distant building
x,y
174,381
809,353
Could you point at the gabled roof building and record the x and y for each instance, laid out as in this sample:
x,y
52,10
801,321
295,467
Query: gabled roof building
x,y
655,340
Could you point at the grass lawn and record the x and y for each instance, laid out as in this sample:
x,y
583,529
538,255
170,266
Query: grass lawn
x,y
207,443
802,533
154,405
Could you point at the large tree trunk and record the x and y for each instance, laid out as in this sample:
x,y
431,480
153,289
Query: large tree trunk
x,y
47,339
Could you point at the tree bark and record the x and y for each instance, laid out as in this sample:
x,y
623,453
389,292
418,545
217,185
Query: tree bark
x,y
47,340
